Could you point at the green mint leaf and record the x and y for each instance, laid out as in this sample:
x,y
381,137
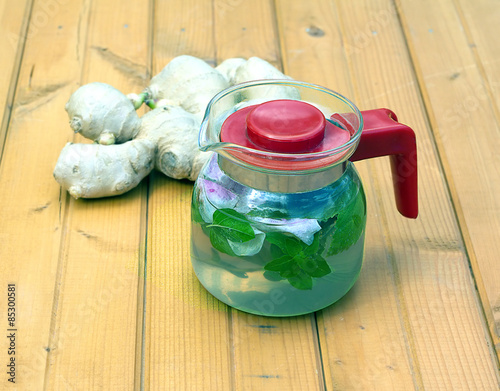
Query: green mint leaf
x,y
292,271
327,229
231,225
276,251
301,281
277,239
313,248
279,264
220,243
195,214
314,265
272,276
322,268
295,260
349,226
287,244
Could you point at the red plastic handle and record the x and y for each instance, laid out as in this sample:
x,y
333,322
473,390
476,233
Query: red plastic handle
x,y
383,135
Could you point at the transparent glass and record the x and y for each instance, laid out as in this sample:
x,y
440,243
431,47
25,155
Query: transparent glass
x,y
242,95
278,234
306,250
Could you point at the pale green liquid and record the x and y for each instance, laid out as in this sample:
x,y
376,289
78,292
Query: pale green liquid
x,y
241,281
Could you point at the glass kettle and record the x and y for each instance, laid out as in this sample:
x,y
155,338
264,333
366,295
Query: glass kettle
x,y
279,212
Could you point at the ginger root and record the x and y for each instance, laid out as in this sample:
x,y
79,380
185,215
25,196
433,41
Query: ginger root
x,y
257,69
229,67
175,131
238,70
188,82
94,170
164,138
103,114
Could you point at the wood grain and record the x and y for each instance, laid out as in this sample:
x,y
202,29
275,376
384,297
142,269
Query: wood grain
x,y
106,295
33,207
97,313
188,343
435,289
363,341
245,29
459,91
14,24
479,21
187,333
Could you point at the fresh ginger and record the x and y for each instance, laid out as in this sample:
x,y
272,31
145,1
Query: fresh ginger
x,y
94,170
175,131
103,114
188,82
257,69
164,138
229,67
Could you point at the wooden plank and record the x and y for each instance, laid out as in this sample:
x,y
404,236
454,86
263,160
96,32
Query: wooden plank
x,y
187,330
13,31
187,337
445,329
246,29
96,332
276,353
430,279
464,89
363,341
479,21
269,353
32,211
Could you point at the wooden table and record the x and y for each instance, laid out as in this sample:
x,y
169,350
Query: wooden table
x,y
105,296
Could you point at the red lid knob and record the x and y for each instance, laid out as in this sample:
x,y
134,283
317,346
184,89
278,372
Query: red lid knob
x,y
287,126
283,126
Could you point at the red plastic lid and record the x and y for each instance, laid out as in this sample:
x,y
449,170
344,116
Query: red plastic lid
x,y
283,126
286,126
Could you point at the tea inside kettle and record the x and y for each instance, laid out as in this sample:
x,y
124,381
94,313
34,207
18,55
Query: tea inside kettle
x,y
279,212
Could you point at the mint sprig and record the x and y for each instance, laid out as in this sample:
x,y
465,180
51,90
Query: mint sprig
x,y
229,225
296,261
349,226
291,258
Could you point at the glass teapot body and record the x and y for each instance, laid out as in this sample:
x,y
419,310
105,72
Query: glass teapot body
x,y
277,253
278,211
